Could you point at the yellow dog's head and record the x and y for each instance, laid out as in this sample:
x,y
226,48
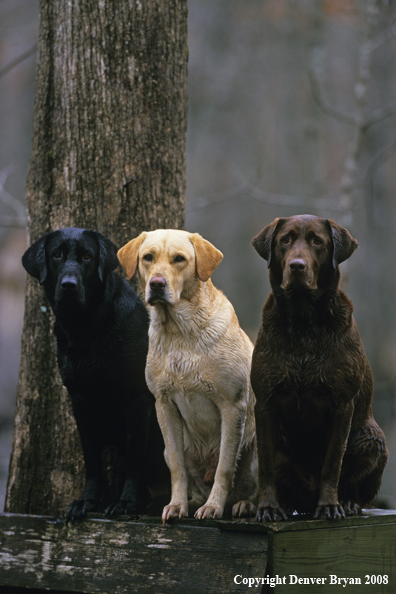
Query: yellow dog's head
x,y
170,263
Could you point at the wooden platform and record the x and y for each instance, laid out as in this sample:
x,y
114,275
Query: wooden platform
x,y
191,557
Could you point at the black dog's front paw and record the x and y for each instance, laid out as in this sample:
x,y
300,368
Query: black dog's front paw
x,y
123,507
329,512
79,509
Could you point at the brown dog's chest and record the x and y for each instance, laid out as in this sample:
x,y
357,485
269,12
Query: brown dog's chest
x,y
302,401
305,415
300,369
298,382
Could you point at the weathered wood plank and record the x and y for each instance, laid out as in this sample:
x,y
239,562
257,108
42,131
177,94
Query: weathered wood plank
x,y
100,555
103,556
361,554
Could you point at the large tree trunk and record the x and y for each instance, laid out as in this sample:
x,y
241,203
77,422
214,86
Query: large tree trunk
x,y
109,154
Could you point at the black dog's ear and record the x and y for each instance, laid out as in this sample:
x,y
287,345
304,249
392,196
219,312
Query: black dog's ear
x,y
262,243
33,260
108,260
343,243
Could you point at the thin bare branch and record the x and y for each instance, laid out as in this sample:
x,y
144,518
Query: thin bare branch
x,y
325,107
381,158
19,218
16,61
12,222
379,115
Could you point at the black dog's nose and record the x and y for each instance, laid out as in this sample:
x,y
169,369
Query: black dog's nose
x,y
297,265
157,283
69,282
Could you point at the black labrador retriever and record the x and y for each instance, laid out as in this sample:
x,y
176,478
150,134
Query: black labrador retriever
x,y
320,449
101,328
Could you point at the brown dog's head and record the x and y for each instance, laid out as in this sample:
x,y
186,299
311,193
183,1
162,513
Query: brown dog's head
x,y
304,251
170,263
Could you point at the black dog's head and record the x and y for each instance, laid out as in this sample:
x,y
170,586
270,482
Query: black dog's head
x,y
71,263
304,251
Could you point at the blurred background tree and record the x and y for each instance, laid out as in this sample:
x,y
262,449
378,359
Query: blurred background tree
x,y
292,109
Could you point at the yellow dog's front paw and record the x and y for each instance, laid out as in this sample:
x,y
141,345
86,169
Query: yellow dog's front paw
x,y
209,511
178,510
244,509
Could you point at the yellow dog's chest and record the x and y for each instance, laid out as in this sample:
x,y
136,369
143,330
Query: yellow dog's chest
x,y
180,379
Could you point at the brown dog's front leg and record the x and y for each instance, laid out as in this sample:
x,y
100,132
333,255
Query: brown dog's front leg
x,y
267,429
328,506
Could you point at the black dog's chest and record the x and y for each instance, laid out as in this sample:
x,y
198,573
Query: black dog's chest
x,y
83,365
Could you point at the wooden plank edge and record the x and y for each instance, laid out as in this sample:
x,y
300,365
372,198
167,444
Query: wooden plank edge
x,y
368,517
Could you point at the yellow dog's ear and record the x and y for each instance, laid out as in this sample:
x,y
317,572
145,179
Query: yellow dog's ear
x,y
128,254
207,257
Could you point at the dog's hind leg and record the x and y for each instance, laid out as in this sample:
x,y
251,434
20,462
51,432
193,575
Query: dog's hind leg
x,y
362,468
244,495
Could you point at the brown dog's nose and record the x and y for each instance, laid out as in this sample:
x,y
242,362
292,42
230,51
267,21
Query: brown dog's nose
x,y
157,283
297,265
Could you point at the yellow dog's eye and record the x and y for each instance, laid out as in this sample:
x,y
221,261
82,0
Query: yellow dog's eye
x,y
148,257
179,258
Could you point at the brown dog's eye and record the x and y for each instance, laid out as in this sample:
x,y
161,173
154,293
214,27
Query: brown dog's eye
x,y
285,239
148,257
179,258
317,241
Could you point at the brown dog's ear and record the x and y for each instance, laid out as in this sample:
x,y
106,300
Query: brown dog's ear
x,y
262,243
128,254
343,243
207,257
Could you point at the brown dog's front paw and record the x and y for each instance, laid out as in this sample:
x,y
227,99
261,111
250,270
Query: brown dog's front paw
x,y
171,511
351,508
208,511
329,512
270,513
243,509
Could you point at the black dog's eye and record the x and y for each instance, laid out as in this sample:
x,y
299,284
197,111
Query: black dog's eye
x,y
317,241
87,257
148,257
57,255
285,239
179,258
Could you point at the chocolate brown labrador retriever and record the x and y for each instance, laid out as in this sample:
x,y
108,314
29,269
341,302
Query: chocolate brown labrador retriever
x,y
320,449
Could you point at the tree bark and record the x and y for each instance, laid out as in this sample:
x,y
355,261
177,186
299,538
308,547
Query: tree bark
x,y
108,153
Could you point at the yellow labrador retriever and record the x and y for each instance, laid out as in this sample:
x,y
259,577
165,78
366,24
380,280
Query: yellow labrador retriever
x,y
198,369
